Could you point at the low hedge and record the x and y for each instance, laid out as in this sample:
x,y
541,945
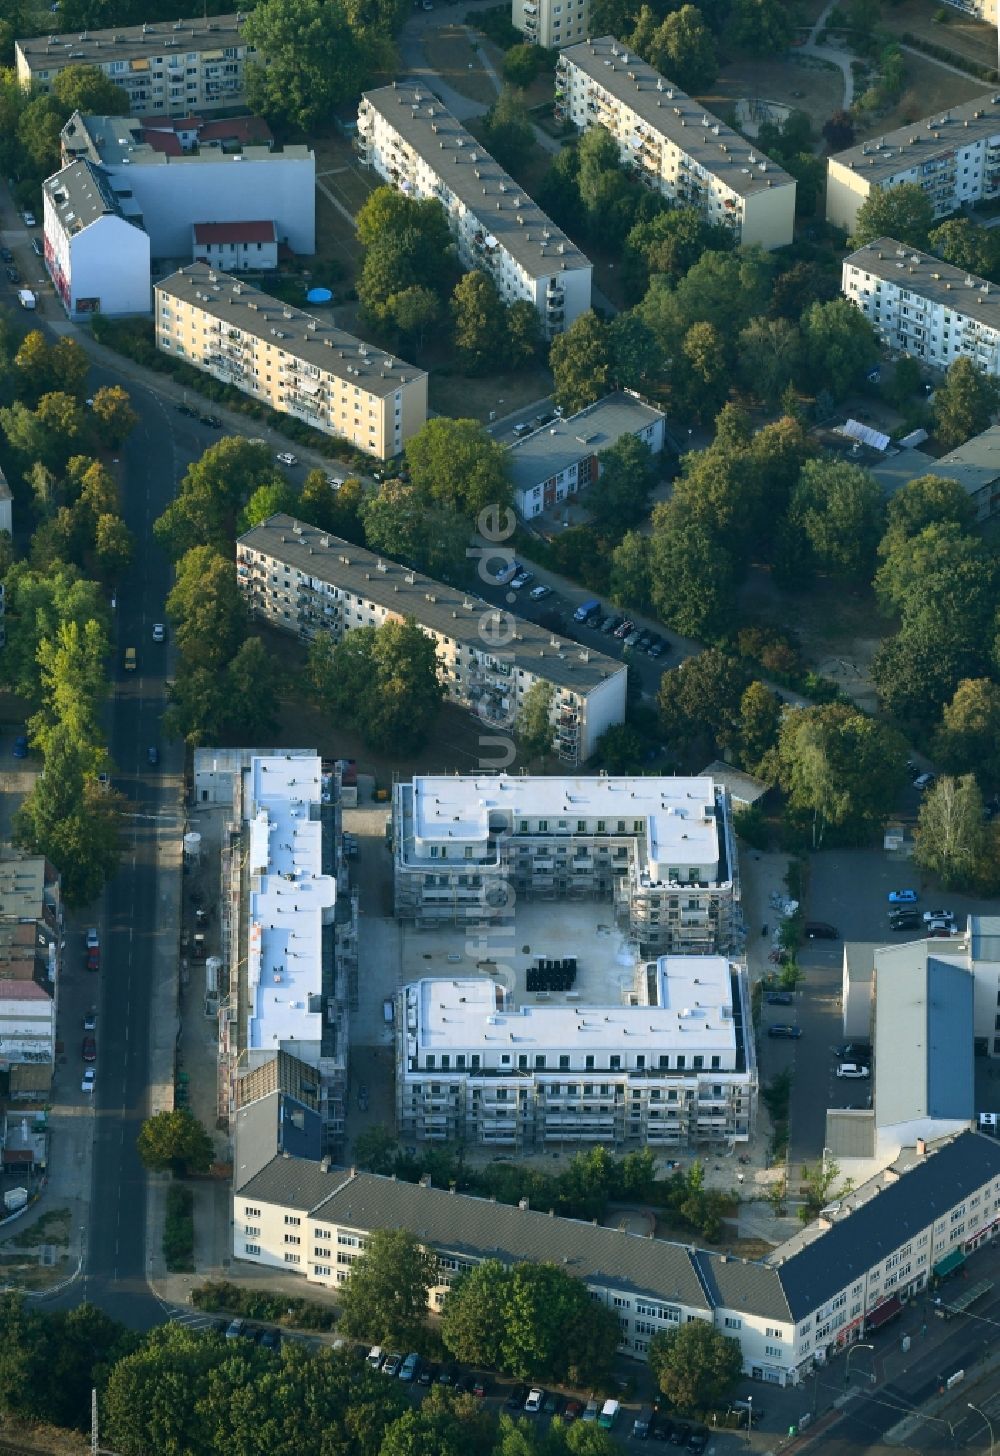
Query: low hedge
x,y
178,1230
953,58
220,1297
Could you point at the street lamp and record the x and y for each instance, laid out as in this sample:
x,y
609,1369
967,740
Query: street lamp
x,y
847,1367
749,1418
989,1423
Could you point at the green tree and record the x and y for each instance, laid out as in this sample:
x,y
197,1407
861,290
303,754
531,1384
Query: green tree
x,y
444,1424
382,680
534,729
682,48
524,334
253,694
37,604
376,1149
692,573
38,130
113,546
521,65
696,1365
152,1396
113,415
68,820
211,494
552,1330
88,90
843,769
507,129
72,685
175,1142
413,310
385,1295
968,739
761,27
206,608
904,213
580,360
837,509
630,566
926,501
455,464
964,405
479,322
472,1319
965,244
400,523
278,497
759,724
700,702
407,244
838,343
672,242
312,60
620,749
951,835
620,496
700,383
769,351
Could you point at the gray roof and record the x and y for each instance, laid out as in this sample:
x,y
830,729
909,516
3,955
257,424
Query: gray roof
x,y
859,959
116,141
736,162
744,1284
299,334
850,1132
985,937
80,194
477,180
974,466
289,1182
900,467
455,614
923,1036
920,142
129,42
743,787
815,1265
563,443
928,277
463,1225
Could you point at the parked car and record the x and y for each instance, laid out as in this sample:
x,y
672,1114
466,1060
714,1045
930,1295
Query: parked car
x,y
20,749
185,409
334,481
90,1019
680,1434
853,1071
854,1051
236,1329
269,1339
212,421
285,457
624,628
516,1398
93,958
448,1374
159,632
662,1427
821,930
392,1364
410,1368
698,1439
428,1373
89,1080
632,640
946,915
785,1031
905,920
923,781
780,998
524,428
610,624
375,1357
480,1386
89,1049
152,755
903,897
533,1404
6,255
29,218
13,276
573,1411
521,580
463,1385
936,929
539,593
591,1409
552,1404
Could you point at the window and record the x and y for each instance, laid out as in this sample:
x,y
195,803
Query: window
x,y
293,1259
732,1322
292,1219
252,1231
251,1248
323,1271
251,1212
292,1239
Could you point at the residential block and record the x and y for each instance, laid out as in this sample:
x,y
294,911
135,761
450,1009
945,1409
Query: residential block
x,y
414,143
673,144
290,360
551,23
97,258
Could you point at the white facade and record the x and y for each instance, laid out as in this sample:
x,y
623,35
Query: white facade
x,y
923,307
236,247
662,849
676,146
954,156
303,580
670,1068
98,262
834,1283
551,23
27,1024
415,144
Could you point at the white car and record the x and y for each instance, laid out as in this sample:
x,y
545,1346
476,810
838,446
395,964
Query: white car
x,y
334,482
534,1402
287,458
93,939
159,632
852,1071
521,579
947,915
29,219
539,593
89,1078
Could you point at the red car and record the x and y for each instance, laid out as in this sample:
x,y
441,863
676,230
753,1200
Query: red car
x,y
93,958
89,1049
573,1411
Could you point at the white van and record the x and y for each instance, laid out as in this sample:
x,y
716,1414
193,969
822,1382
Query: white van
x,y
388,1011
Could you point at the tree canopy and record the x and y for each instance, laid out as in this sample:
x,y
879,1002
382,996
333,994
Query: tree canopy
x,y
382,680
695,1365
384,1298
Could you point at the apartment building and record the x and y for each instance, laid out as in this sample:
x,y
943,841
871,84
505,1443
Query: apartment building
x,y
287,936
415,144
673,144
98,260
560,459
923,307
31,937
236,246
290,360
953,155
985,10
974,465
306,581
483,1062
167,189
171,68
839,1280
661,849
551,23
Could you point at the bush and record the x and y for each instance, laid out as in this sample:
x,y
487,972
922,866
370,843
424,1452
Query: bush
x,y
220,1297
495,25
952,58
178,1230
752,827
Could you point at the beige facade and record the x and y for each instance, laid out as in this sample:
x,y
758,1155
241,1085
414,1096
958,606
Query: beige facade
x,y
307,582
923,307
551,23
289,360
954,156
170,69
673,144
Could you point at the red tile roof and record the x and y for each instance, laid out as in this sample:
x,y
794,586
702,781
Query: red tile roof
x,y
234,232
163,141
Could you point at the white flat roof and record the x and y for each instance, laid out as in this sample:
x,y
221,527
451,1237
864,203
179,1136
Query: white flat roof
x,y
694,1012
681,827
289,905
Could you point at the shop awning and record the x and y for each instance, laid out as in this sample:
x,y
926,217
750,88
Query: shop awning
x,y
882,1313
949,1263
